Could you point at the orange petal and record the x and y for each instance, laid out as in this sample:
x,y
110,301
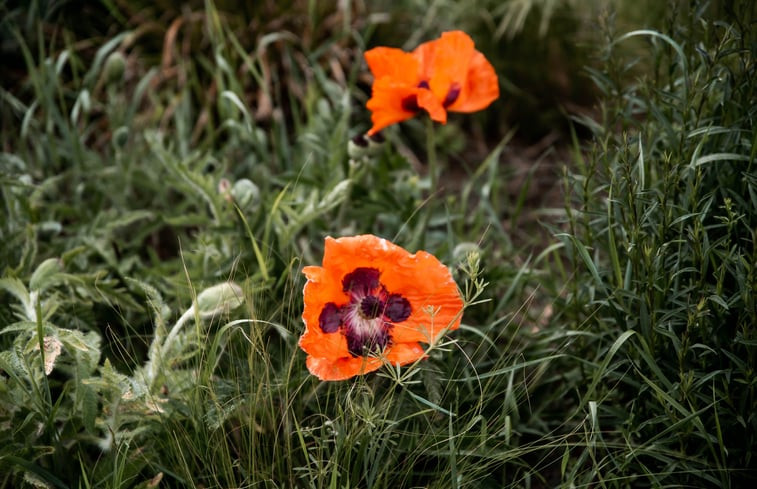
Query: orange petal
x,y
343,255
427,323
325,345
342,368
321,288
340,257
445,61
346,367
396,78
428,101
404,353
433,295
393,63
386,103
480,87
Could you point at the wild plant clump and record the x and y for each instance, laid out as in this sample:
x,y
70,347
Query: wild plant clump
x,y
662,226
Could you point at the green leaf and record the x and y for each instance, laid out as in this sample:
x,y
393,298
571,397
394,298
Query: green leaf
x,y
35,469
600,373
430,404
584,254
46,274
28,326
16,288
703,160
88,398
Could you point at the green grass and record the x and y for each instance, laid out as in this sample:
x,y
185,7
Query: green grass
x,y
165,175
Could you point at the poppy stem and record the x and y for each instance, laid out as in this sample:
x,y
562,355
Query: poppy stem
x,y
419,238
356,169
433,177
431,154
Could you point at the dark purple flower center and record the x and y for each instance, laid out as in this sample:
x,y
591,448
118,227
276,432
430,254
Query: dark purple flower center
x,y
397,308
367,319
360,140
410,103
452,94
371,307
330,318
360,281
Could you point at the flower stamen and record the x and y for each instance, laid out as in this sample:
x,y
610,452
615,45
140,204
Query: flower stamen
x,y
371,307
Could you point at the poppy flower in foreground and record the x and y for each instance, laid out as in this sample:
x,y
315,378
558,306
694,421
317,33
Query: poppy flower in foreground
x,y
446,74
373,302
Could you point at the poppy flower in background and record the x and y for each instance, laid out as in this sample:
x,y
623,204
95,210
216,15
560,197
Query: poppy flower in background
x,y
373,302
446,74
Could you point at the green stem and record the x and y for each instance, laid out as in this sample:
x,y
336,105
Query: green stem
x,y
433,171
418,240
41,342
158,351
353,172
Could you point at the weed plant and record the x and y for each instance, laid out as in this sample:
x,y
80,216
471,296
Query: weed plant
x,y
165,174
661,231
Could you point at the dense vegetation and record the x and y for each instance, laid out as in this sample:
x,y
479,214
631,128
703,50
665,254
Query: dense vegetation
x,y
167,172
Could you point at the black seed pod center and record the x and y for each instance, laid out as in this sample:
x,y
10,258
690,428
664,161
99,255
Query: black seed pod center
x,y
371,307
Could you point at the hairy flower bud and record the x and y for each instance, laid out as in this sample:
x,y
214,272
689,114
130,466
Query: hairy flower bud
x,y
219,299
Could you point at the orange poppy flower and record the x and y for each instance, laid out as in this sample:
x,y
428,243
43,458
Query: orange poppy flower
x,y
446,74
373,302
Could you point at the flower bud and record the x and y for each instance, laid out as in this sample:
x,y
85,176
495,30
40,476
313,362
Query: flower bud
x,y
115,66
219,299
465,250
357,147
362,146
245,192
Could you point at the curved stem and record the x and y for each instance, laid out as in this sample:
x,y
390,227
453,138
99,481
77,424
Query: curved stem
x,y
157,361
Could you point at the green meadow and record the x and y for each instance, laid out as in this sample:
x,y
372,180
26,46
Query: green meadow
x,y
168,170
